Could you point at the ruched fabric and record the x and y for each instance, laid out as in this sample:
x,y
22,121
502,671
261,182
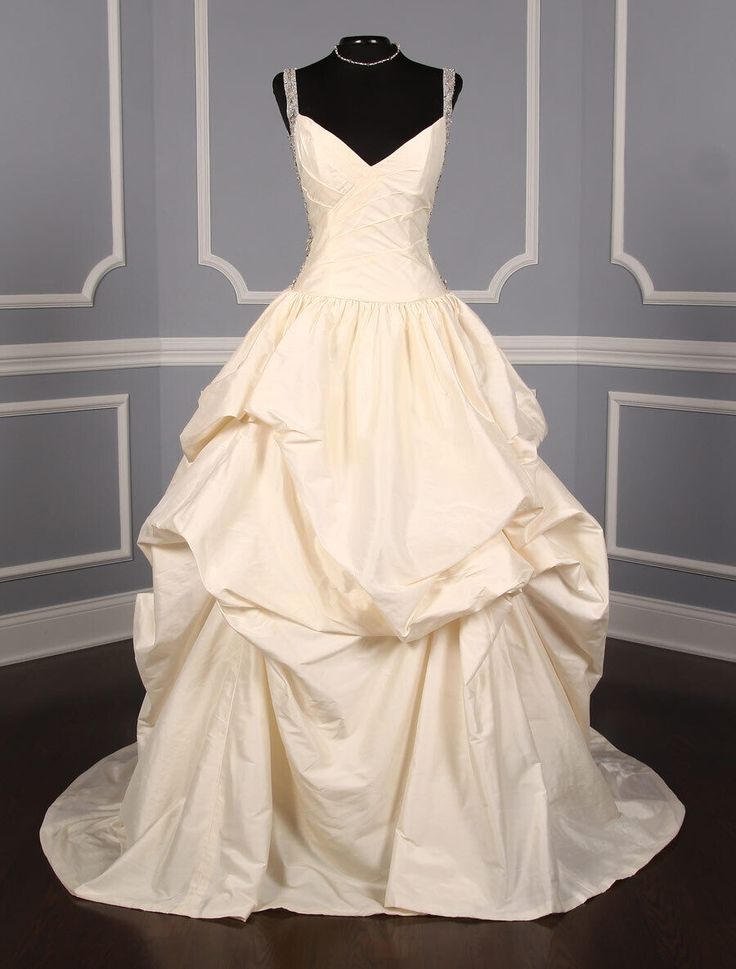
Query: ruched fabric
x,y
376,620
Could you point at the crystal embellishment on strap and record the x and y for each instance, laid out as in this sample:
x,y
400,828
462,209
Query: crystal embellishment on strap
x,y
448,90
292,110
292,97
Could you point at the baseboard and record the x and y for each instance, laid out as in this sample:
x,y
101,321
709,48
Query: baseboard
x,y
685,628
67,627
109,619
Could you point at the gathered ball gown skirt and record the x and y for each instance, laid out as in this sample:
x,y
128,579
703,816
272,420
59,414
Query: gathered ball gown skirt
x,y
377,616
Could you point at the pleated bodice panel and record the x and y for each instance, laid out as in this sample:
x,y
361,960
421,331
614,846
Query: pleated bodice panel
x,y
368,223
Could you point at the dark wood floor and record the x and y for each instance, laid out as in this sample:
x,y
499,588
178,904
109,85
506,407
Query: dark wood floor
x,y
674,711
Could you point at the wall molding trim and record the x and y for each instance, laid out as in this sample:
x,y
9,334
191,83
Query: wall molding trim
x,y
530,255
619,256
52,630
206,257
616,400
700,356
116,258
66,405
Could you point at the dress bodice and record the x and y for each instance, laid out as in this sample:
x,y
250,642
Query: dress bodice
x,y
368,223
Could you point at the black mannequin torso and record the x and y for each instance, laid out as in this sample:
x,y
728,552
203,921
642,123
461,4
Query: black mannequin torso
x,y
373,109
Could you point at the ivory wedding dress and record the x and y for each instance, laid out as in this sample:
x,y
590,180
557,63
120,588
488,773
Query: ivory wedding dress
x,y
377,615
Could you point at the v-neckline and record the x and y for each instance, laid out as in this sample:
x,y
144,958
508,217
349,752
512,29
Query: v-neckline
x,y
360,158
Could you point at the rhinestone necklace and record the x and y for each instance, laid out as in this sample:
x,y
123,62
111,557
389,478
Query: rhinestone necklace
x,y
368,63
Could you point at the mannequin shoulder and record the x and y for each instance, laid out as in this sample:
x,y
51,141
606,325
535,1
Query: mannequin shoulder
x,y
458,87
277,85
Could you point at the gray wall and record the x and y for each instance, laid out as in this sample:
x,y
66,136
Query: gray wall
x,y
643,144
58,182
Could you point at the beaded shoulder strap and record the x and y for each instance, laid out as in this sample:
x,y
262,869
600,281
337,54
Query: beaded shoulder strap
x,y
292,97
292,110
448,89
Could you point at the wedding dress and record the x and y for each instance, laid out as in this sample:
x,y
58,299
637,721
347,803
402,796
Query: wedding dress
x,y
377,615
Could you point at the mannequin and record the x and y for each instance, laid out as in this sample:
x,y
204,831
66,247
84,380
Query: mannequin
x,y
375,108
